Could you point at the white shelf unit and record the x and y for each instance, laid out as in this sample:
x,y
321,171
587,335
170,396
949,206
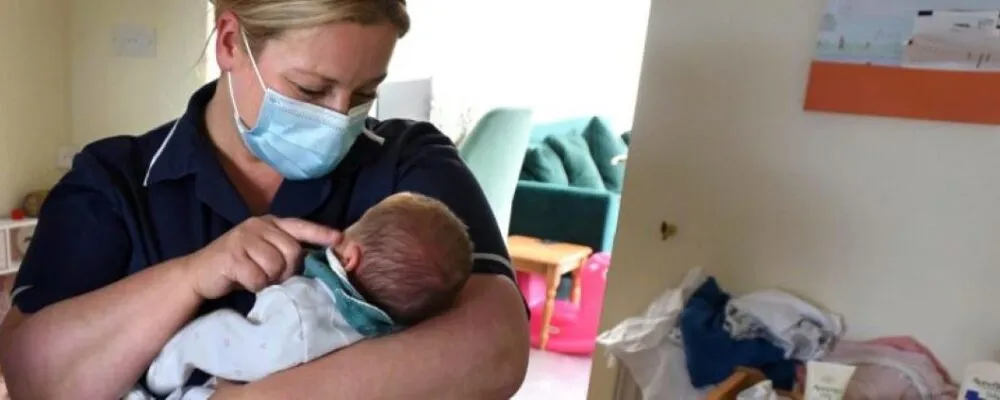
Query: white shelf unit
x,y
14,235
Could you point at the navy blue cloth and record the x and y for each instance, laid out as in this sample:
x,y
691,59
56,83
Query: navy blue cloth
x,y
712,355
131,202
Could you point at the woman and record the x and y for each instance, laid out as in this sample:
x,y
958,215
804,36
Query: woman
x,y
144,233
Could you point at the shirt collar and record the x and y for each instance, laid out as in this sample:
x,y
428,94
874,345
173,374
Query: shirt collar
x,y
177,156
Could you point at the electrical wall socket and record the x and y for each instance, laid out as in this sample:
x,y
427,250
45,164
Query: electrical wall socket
x,y
134,41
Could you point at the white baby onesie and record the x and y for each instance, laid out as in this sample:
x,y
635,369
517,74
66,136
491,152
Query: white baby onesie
x,y
292,323
188,393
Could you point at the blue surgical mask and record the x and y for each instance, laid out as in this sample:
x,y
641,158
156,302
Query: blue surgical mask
x,y
298,139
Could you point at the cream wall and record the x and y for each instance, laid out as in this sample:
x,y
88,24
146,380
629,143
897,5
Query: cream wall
x,y
894,223
34,106
120,95
62,84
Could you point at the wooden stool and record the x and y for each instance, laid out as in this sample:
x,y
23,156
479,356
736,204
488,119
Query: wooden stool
x,y
551,260
744,378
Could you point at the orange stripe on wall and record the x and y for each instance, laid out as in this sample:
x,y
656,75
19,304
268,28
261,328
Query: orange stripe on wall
x,y
904,92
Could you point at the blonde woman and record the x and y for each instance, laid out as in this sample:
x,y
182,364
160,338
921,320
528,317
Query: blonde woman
x,y
147,232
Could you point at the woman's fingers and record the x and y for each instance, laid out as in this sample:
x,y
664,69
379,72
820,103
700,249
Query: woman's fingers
x,y
289,249
309,232
248,274
266,257
252,279
261,251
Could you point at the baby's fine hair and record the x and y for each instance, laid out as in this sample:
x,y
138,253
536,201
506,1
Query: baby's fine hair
x,y
416,256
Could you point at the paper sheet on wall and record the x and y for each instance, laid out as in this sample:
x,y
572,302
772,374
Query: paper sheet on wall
x,y
921,34
926,59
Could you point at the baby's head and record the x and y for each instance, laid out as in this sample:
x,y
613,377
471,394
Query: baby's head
x,y
412,256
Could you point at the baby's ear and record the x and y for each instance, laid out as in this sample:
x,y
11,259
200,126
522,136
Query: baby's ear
x,y
351,256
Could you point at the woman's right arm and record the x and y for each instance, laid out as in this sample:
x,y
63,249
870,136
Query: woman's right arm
x,y
97,345
78,327
82,327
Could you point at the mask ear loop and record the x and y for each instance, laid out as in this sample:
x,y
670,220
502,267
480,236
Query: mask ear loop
x,y
253,61
236,112
229,80
368,133
373,136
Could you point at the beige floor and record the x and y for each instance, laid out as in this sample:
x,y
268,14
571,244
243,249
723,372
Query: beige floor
x,y
553,376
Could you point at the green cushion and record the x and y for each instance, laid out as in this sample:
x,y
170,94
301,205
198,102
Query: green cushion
x,y
574,152
543,130
542,164
604,146
627,137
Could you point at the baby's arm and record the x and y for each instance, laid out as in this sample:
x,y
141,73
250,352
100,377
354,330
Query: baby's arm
x,y
229,346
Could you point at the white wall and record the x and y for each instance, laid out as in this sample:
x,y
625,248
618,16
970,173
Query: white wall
x,y
62,84
120,95
894,223
563,58
34,78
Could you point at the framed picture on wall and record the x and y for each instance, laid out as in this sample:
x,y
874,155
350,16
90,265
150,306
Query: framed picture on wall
x,y
921,59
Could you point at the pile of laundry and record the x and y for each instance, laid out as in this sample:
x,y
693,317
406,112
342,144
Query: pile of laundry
x,y
695,336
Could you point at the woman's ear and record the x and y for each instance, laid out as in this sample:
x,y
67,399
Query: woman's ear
x,y
228,41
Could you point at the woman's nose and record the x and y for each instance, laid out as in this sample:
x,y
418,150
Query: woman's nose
x,y
340,101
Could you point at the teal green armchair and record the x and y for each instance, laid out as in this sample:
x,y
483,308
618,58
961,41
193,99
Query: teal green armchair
x,y
566,214
570,183
494,151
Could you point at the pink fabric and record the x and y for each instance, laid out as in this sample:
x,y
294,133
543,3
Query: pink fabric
x,y
908,343
893,368
532,287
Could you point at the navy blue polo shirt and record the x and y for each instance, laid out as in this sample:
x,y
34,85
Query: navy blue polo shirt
x,y
132,202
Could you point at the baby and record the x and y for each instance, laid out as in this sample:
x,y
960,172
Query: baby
x,y
403,262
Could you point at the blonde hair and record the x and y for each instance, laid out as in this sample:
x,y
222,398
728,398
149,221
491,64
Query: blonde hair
x,y
416,256
264,20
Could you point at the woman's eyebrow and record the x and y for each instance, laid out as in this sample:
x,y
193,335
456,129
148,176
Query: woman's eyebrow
x,y
312,74
377,80
374,81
